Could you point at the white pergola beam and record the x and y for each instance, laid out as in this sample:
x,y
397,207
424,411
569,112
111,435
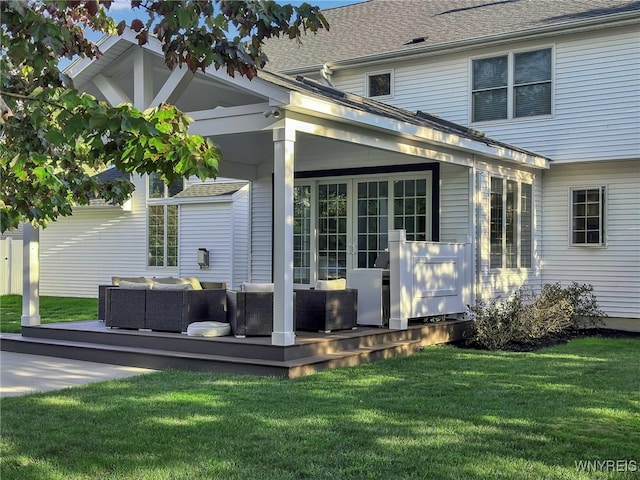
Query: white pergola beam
x,y
111,91
174,87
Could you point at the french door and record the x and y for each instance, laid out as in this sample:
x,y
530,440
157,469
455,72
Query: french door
x,y
341,224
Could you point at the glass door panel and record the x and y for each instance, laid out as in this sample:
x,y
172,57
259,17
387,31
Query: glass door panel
x,y
410,208
333,230
302,235
372,221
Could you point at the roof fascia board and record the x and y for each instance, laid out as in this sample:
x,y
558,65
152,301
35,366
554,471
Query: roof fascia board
x,y
105,44
321,128
628,19
317,107
230,120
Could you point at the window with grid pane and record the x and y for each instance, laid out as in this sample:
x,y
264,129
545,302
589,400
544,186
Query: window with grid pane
x,y
332,231
509,86
511,220
587,216
373,217
162,222
302,234
410,208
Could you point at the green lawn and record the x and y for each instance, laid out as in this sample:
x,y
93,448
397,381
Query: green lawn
x,y
52,310
443,413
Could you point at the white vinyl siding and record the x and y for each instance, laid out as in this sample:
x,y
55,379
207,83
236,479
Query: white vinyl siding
x,y
613,271
596,108
79,253
261,235
454,204
206,225
241,231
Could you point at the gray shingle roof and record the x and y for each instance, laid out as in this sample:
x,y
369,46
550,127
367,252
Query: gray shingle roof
x,y
210,189
384,26
423,119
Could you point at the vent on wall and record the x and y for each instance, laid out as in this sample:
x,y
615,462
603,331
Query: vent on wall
x,y
417,40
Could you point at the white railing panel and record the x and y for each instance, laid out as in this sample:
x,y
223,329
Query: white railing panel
x,y
10,267
428,278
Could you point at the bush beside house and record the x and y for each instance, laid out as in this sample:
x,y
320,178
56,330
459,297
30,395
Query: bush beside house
x,y
527,318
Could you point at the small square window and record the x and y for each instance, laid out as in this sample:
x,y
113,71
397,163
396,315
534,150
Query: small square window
x,y
587,216
379,84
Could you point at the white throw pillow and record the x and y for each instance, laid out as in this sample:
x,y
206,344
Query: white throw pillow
x,y
116,280
256,287
135,285
192,281
337,284
172,286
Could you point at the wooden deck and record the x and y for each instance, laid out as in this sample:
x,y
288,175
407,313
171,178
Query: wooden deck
x,y
312,352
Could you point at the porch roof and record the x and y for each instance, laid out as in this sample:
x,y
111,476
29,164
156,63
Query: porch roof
x,y
244,100
419,118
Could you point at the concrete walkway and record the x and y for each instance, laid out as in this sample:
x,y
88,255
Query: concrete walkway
x,y
22,373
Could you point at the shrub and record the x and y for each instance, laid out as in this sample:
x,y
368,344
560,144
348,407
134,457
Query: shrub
x,y
586,312
529,318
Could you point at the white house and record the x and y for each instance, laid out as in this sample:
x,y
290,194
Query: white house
x,y
336,178
558,78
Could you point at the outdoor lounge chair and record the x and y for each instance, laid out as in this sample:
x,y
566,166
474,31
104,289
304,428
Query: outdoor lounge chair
x,y
250,313
326,310
125,308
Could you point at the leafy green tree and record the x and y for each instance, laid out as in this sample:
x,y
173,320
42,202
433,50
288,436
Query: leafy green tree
x,y
53,138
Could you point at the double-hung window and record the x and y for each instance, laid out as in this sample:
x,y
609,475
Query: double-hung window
x,y
513,85
511,223
162,222
587,216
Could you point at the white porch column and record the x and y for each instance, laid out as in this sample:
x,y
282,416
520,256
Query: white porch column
x,y
283,162
30,276
400,279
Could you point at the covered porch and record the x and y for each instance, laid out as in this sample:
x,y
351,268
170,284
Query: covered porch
x,y
336,181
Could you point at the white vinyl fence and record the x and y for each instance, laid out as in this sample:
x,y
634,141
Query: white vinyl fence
x,y
428,278
10,267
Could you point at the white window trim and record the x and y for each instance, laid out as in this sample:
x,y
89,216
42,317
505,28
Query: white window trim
x,y
519,181
163,202
380,72
510,118
604,214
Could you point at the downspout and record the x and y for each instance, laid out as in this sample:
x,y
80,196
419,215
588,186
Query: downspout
x,y
327,74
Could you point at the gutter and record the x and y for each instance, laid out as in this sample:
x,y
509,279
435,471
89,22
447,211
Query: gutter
x,y
621,20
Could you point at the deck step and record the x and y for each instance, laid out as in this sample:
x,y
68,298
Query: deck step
x,y
167,359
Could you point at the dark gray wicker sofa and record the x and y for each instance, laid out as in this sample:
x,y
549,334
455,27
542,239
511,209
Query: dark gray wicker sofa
x,y
163,309
326,310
